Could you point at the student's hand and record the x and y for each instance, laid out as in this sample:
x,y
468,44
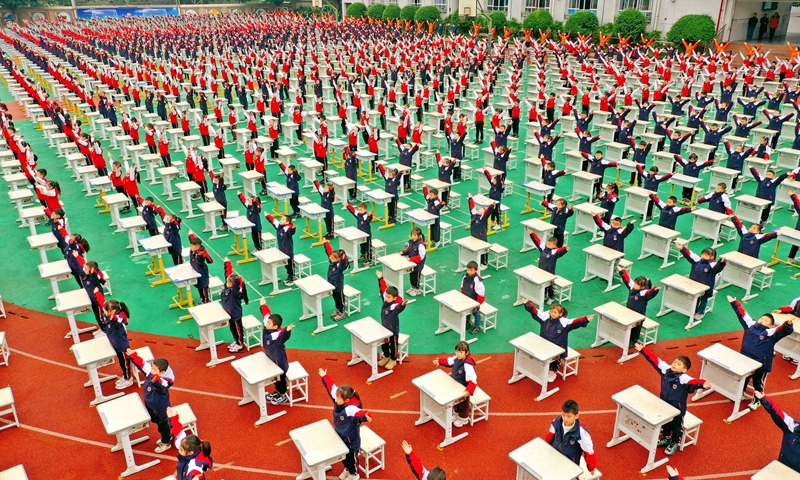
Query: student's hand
x,y
469,195
730,298
632,222
722,260
369,419
263,301
694,208
225,259
566,171
673,472
678,244
171,412
758,395
706,385
638,346
776,311
128,351
75,253
790,321
407,448
290,327
378,274
322,372
405,302
590,318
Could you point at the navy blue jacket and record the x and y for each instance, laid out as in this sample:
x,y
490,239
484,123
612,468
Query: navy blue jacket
x,y
669,215
703,271
219,193
173,236
759,341
767,186
363,222
347,418
274,341
555,330
390,311
613,238
336,269
351,167
155,388
637,299
572,444
790,443
253,211
285,233
675,386
676,143
548,257
559,216
736,159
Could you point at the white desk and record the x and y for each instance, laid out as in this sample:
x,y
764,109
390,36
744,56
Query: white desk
x,y
211,210
115,201
71,304
727,371
183,276
706,224
614,324
350,240
257,372
31,216
601,262
320,447
723,175
271,259
640,415
684,181
681,294
657,240
542,229
532,282
209,317
790,236
366,335
789,346
438,392
14,473
532,358
21,198
380,197
310,169
584,220
395,269
43,242
583,185
188,189
93,354
471,249
55,272
240,226
341,185
133,225
249,179
776,471
454,307
636,201
314,288
421,217
156,247
750,208
229,164
312,211
122,418
281,193
168,174
538,189
740,270
537,460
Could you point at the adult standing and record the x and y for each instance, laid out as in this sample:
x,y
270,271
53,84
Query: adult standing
x,y
762,26
773,25
751,26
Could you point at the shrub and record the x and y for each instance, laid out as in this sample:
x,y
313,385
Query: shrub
x,y
655,34
608,29
376,11
631,23
585,23
557,27
391,12
498,21
514,25
428,14
356,10
538,20
409,12
692,28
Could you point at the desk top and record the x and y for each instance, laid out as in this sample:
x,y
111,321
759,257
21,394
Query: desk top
x,y
210,207
701,146
604,252
33,212
538,187
619,314
535,274
42,240
661,232
115,198
159,242
396,262
684,284
538,225
586,176
314,285
419,215
257,368
441,387
790,233
54,269
187,186
351,234
368,330
21,194
774,471
132,222
473,244
312,210
682,179
121,413
710,215
746,261
758,202
537,347
273,255
457,301
649,407
181,273
482,200
280,191
251,175
209,314
313,163
724,171
240,223
318,443
590,208
100,181
72,300
342,181
729,359
437,184
638,191
93,351
14,473
544,462
378,195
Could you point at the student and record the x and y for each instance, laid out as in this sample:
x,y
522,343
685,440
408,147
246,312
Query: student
x,y
115,317
363,223
751,239
158,378
351,172
555,328
758,343
172,228
338,264
796,203
58,225
767,185
501,156
285,230
253,206
234,291
348,415
736,158
50,192
549,254
640,292
92,281
219,188
149,212
407,152
433,206
718,201
670,211
446,166
550,175
194,455
419,471
462,371
472,287
327,197
478,225
676,386
76,248
259,165
597,165
640,153
570,438
559,214
130,183
116,177
392,179
608,200
199,260
415,251
614,235
274,338
790,444
393,306
691,168
704,270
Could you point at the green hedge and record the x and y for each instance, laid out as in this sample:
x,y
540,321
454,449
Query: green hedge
x,y
692,28
391,12
498,21
356,10
538,20
409,12
376,11
585,23
428,14
631,23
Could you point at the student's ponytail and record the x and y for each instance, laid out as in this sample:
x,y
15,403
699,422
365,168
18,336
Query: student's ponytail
x,y
124,309
206,445
83,242
56,186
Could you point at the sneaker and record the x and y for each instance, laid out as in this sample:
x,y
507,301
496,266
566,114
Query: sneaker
x,y
417,291
497,226
412,292
475,329
551,376
235,348
125,384
411,289
383,361
460,422
390,364
671,449
288,282
279,400
744,397
664,441
333,315
786,357
344,475
754,404
790,260
262,192
699,316
162,447
353,477
119,381
795,362
272,396
549,301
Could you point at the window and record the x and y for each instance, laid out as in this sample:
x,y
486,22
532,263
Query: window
x,y
578,5
392,2
531,5
441,5
497,5
415,2
645,6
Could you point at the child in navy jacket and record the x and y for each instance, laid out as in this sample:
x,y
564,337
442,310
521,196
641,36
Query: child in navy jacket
x,y
415,251
115,320
392,179
758,343
363,223
231,298
676,386
219,188
570,438
446,166
293,183
670,211
767,186
393,305
479,223
462,370
285,230
338,264
549,253
614,235
555,328
790,443
718,201
158,379
751,239
419,471
199,260
640,292
149,212
172,229
348,415
705,268
433,206
691,168
194,455
559,214
351,171
327,196
253,206
274,338
608,200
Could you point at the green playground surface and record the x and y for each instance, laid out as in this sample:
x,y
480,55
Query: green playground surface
x,y
150,310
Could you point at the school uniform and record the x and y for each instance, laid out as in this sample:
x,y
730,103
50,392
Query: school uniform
x,y
434,207
231,301
190,467
199,260
391,187
613,238
463,372
172,235
285,243
548,257
351,172
750,243
326,201
254,215
274,343
347,420
790,442
637,301
766,189
478,225
669,215
114,326
705,272
390,319
336,277
555,330
415,251
573,442
558,217
758,343
155,391
445,174
293,184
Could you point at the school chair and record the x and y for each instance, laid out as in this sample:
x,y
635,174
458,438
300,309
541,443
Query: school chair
x,y
107,286
691,430
416,182
727,231
4,351
187,418
402,208
763,278
509,188
362,193
372,449
7,400
627,265
675,252
253,332
427,280
488,317
378,248
569,366
402,347
498,256
147,356
215,286
562,289
268,240
297,383
466,173
352,300
2,308
586,475
649,332
479,406
454,200
445,234
302,266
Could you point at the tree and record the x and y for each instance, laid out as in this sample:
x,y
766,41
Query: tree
x,y
276,3
391,12
692,28
538,20
631,23
356,10
498,21
409,12
376,11
428,14
585,23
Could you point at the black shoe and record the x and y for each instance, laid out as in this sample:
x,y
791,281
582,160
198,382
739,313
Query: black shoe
x,y
262,192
